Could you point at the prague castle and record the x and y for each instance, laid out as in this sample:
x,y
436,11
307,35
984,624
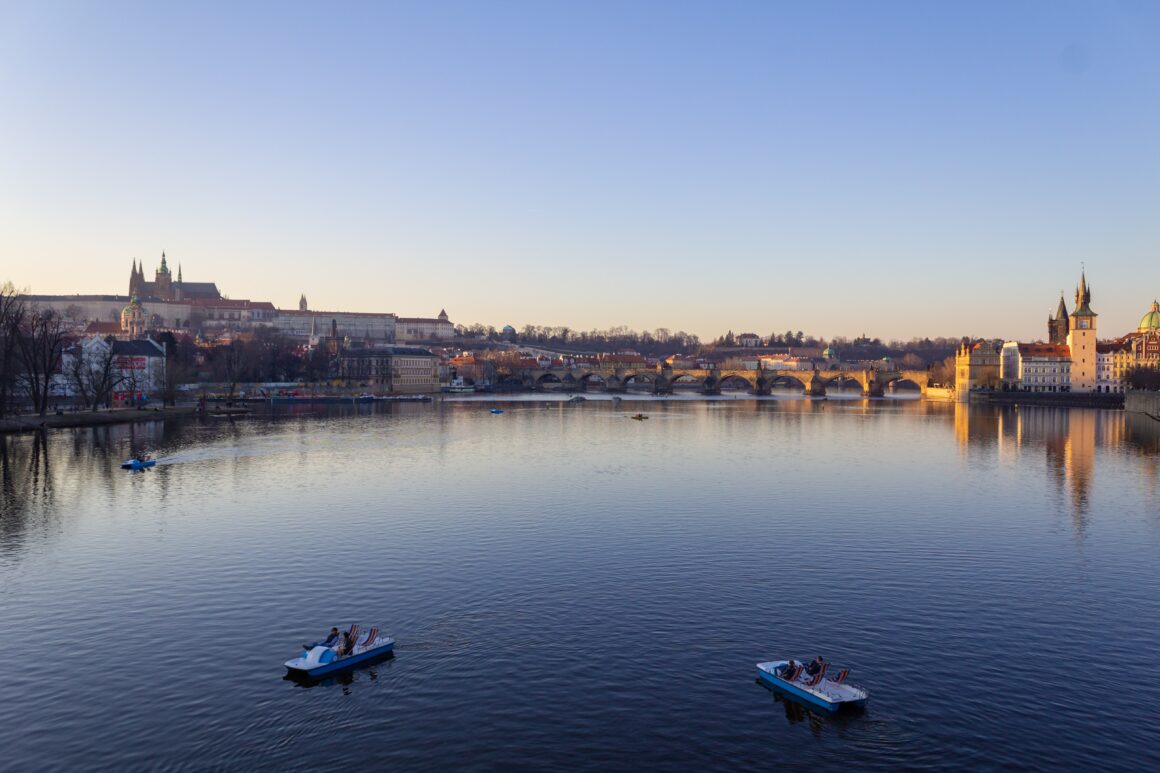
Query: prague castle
x,y
168,303
1071,360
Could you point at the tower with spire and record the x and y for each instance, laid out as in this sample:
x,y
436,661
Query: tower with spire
x,y
162,281
1060,325
136,277
1081,339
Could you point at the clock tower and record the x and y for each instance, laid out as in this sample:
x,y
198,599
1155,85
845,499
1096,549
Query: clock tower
x,y
1081,340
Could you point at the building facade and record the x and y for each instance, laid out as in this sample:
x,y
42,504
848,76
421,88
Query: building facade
x,y
394,369
977,366
1036,367
413,329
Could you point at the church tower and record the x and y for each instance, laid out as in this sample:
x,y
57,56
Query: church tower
x,y
1059,326
136,277
162,281
302,303
1082,340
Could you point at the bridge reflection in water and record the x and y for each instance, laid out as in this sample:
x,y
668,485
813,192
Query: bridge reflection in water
x,y
663,380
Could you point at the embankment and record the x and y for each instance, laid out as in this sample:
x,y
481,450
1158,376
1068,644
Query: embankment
x,y
91,419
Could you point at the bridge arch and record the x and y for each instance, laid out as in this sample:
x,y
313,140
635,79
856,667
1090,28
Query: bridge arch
x,y
685,381
844,382
549,381
786,381
736,381
592,380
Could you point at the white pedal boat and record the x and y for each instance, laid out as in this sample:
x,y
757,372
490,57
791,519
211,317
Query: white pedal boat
x,y
319,659
823,692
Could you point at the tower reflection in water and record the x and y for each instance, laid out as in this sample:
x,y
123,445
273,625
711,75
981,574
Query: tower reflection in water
x,y
1072,440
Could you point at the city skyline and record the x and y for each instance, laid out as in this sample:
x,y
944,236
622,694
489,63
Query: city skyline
x,y
895,170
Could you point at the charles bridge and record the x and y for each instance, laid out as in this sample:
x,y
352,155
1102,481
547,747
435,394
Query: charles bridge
x,y
662,379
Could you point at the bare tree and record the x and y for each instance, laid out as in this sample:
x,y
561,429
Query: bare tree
x,y
42,339
12,312
95,376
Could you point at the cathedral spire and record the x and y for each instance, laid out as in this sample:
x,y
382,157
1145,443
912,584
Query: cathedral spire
x,y
179,273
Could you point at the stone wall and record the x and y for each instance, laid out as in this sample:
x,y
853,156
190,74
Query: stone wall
x,y
1142,402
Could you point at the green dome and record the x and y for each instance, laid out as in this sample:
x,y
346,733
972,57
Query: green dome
x,y
1151,320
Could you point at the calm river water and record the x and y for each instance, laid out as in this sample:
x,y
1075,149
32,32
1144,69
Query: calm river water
x,y
573,589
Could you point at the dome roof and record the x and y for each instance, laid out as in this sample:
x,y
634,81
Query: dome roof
x,y
134,307
1151,320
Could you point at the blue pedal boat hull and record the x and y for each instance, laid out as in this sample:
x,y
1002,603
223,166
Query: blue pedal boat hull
x,y
135,464
848,697
342,664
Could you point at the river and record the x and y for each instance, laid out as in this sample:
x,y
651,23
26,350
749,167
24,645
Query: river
x,y
573,589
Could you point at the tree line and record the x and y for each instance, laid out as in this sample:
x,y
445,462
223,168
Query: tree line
x,y
563,338
32,342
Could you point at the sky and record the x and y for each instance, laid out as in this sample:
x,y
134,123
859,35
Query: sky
x,y
891,168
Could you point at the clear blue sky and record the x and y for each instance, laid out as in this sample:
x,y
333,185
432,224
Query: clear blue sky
x,y
893,168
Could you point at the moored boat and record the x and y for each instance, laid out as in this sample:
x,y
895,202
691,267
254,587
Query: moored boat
x,y
459,386
319,659
137,464
831,694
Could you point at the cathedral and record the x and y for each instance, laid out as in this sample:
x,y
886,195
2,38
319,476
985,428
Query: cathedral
x,y
165,288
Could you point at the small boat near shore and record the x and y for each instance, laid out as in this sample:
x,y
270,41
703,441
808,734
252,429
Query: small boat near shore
x,y
137,463
639,417
832,694
319,659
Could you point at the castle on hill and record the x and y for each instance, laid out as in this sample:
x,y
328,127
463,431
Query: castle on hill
x,y
164,288
169,303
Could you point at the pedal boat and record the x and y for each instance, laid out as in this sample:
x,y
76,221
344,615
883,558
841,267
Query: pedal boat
x,y
138,464
829,694
320,660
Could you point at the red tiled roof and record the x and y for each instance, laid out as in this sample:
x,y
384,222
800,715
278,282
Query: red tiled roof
x,y
1045,350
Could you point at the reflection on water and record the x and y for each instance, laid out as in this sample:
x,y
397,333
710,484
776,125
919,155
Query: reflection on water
x,y
570,588
1070,439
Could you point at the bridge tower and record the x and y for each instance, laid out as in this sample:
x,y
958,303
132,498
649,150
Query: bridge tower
x,y
1081,340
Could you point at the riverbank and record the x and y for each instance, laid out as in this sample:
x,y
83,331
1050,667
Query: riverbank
x,y
32,423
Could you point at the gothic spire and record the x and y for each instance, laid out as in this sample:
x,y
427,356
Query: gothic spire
x,y
1083,297
179,272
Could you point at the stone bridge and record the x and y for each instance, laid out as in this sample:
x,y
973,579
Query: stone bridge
x,y
663,380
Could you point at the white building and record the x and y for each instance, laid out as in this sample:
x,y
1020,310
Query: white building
x,y
1036,367
112,371
425,329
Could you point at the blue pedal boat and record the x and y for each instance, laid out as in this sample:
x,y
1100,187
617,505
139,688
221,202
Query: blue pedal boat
x,y
319,660
138,464
828,694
